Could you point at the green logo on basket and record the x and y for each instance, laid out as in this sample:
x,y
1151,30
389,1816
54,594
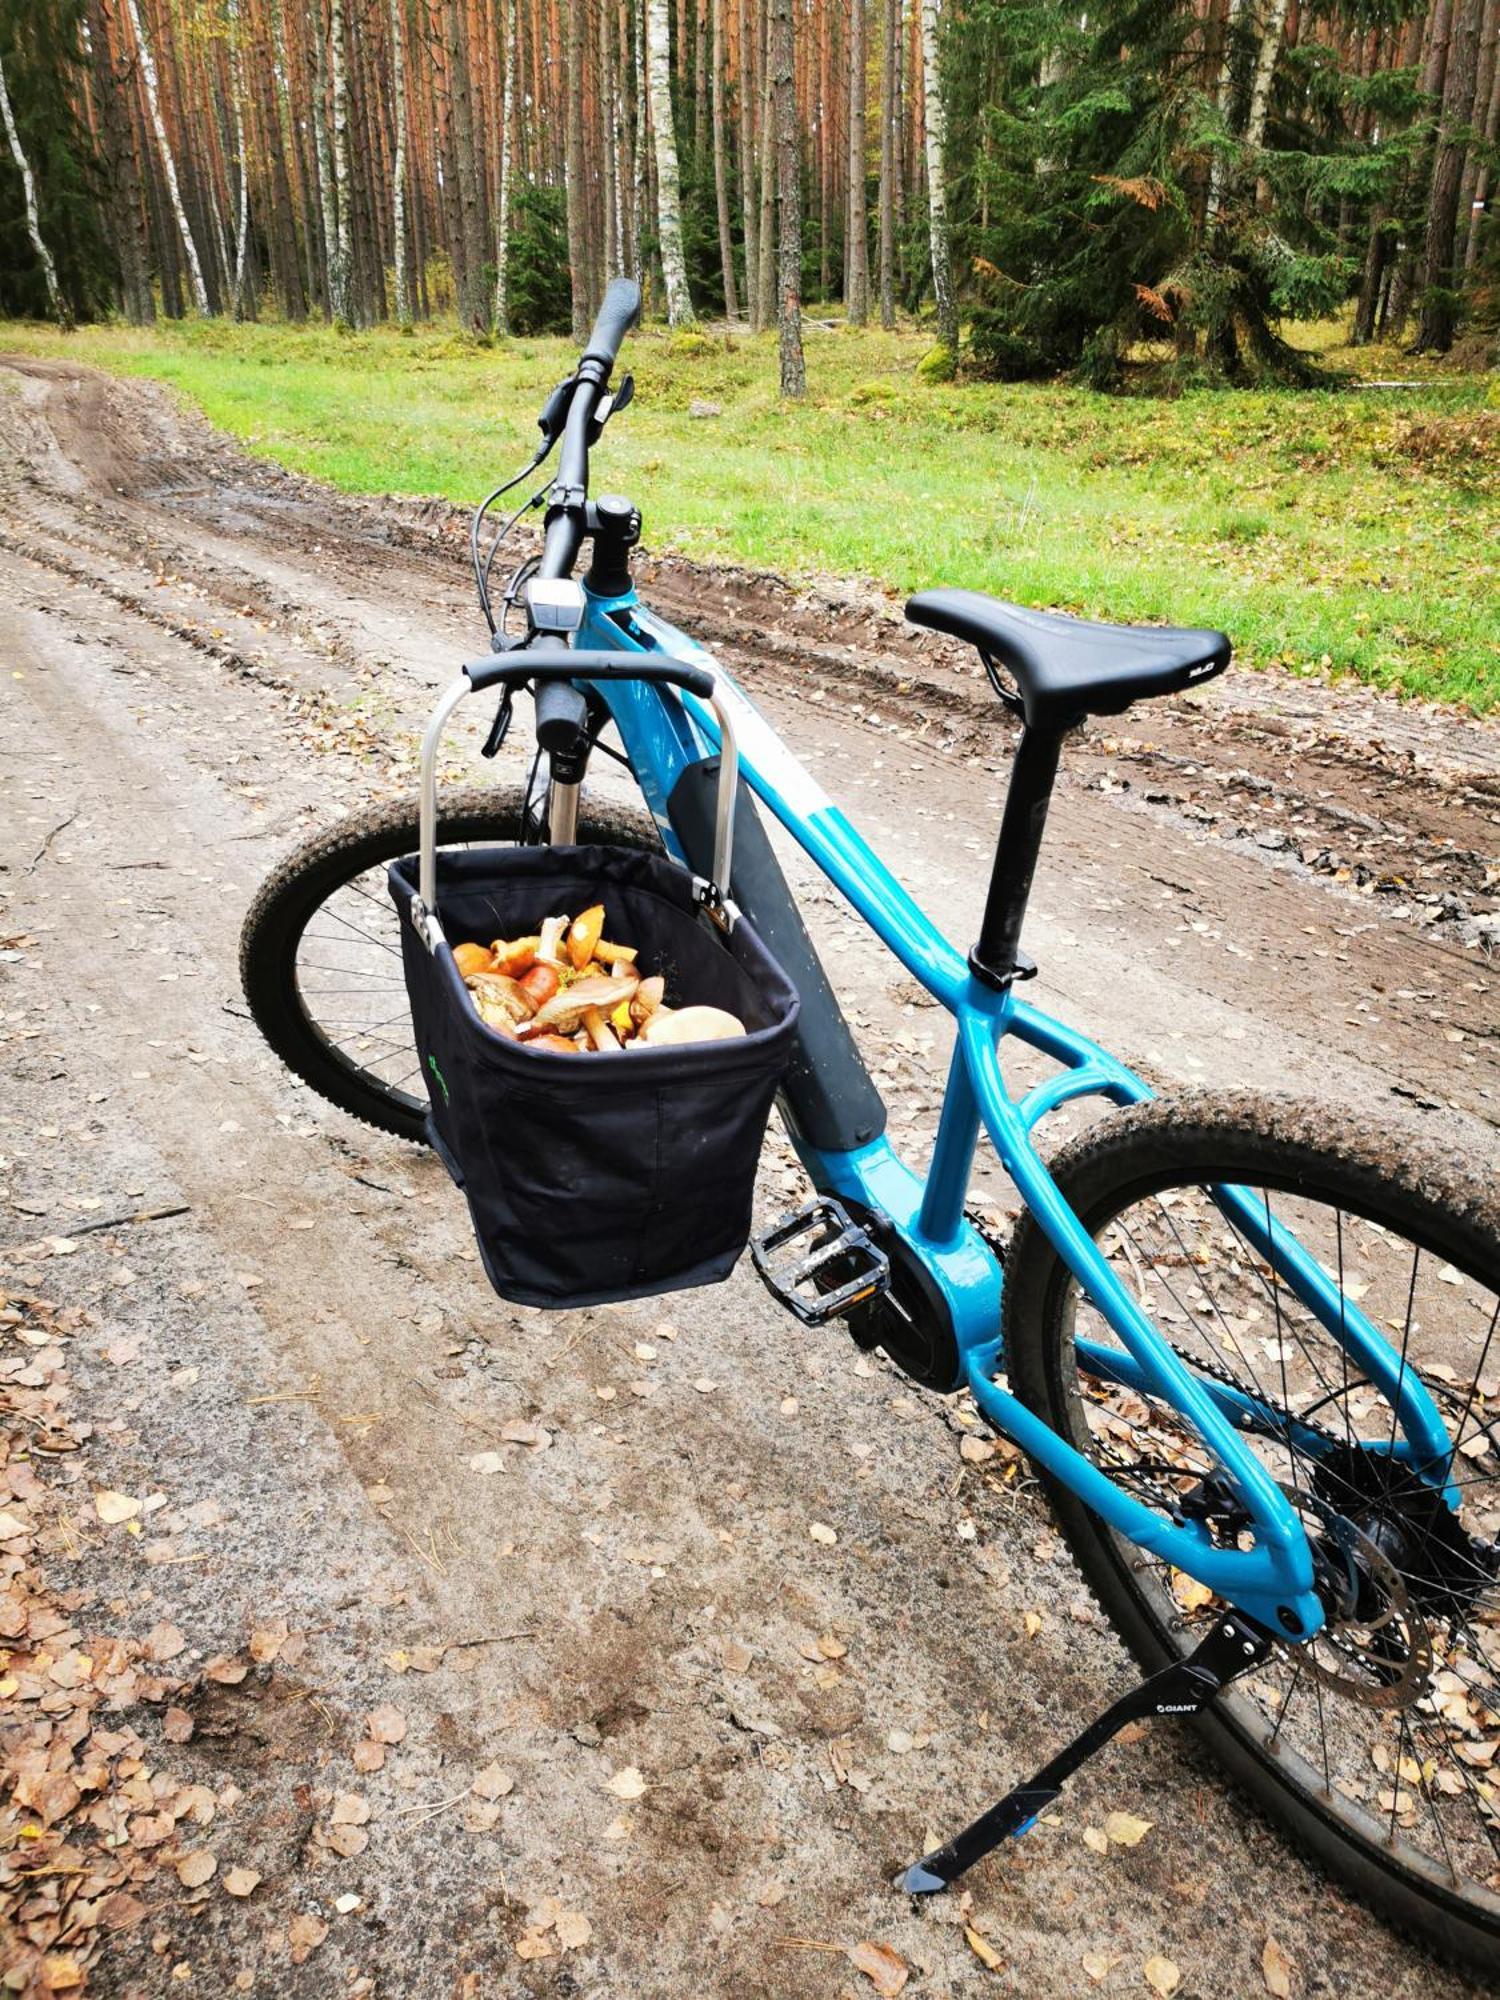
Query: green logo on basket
x,y
442,1080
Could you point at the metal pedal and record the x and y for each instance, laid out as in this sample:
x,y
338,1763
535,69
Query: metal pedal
x,y
839,1269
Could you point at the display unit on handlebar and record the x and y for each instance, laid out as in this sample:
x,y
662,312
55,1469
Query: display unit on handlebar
x,y
1269,1489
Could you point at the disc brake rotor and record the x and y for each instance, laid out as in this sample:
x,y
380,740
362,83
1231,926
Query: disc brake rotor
x,y
1385,1658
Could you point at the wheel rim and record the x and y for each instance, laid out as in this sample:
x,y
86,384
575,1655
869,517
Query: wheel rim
x,y
1390,1720
351,990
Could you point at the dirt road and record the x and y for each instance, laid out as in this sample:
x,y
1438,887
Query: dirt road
x,y
681,1708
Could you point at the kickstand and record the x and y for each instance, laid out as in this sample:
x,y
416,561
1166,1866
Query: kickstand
x,y
1232,1648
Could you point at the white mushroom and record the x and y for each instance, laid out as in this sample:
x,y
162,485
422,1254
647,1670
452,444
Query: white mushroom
x,y
690,1024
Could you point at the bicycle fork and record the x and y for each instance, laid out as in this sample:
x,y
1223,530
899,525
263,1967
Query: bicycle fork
x,y
1235,1646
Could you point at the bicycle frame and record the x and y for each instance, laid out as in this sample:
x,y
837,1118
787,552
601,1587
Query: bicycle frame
x,y
1271,1582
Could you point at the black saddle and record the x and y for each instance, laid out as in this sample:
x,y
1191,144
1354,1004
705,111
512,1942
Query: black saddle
x,y
1067,668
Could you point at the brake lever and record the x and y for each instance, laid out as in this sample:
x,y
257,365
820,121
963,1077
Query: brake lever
x,y
554,412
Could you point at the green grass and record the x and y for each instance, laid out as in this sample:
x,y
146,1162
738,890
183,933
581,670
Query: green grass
x,y
1338,531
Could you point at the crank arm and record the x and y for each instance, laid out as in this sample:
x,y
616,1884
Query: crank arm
x,y
1233,1647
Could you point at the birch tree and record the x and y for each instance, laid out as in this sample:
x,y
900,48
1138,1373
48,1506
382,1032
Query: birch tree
x,y
399,248
33,218
935,118
168,162
668,185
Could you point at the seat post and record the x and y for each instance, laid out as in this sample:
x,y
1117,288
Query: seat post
x,y
997,958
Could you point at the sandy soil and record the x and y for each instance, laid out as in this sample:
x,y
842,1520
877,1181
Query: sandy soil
x,y
206,658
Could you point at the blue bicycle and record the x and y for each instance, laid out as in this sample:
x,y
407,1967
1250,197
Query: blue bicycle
x,y
1252,1353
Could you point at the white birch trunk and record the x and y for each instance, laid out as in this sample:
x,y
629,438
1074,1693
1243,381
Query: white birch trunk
x,y
398,191
1265,72
324,154
502,205
168,164
343,259
33,220
668,186
935,118
1222,97
242,220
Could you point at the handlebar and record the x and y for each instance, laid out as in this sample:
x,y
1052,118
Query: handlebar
x,y
570,490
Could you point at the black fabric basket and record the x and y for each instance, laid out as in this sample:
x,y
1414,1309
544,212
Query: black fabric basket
x,y
601,1176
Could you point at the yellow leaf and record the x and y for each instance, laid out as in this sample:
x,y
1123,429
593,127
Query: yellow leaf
x,y
194,1869
1125,1830
1276,1969
113,1508
983,1950
628,1783
1162,1976
885,1969
241,1881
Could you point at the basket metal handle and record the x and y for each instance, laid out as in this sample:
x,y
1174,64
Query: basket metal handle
x,y
551,662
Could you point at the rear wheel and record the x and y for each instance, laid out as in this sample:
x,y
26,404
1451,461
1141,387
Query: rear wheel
x,y
320,952
1377,1745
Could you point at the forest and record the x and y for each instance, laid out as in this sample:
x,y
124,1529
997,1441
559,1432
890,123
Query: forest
x,y
1054,191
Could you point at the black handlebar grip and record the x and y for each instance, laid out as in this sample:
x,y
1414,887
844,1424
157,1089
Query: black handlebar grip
x,y
618,314
527,663
562,715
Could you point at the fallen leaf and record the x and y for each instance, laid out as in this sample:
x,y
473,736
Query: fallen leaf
x,y
197,1867
1125,1830
487,1461
177,1726
267,1641
831,1648
983,1950
347,1840
306,1932
885,1969
368,1755
1098,1965
227,1672
573,1930
61,1973
977,1450
735,1656
1161,1975
164,1642
11,1527
535,1944
1033,1623
386,1724
1095,1840
1276,1970
493,1782
348,1903
241,1881
823,1534
628,1783
113,1508
350,1809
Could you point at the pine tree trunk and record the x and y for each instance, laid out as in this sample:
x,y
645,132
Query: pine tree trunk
x,y
668,187
578,258
126,216
1472,192
508,29
1435,329
399,247
889,165
936,122
749,197
473,298
766,274
789,191
168,164
1403,277
1485,178
857,290
58,303
721,169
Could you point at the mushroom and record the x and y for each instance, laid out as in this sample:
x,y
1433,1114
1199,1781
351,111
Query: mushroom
x,y
646,999
495,995
600,1033
564,1012
690,1024
548,944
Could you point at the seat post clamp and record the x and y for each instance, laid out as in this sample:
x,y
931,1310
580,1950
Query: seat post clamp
x,y
1023,967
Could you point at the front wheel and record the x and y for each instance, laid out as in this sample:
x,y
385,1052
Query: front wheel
x,y
320,951
1377,1745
